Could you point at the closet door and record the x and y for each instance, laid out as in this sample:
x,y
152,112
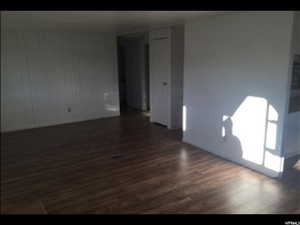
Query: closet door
x,y
160,74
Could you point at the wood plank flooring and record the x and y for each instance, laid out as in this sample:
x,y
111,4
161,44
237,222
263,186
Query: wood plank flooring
x,y
128,165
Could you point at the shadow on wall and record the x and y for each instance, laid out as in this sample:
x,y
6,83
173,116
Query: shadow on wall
x,y
235,148
249,134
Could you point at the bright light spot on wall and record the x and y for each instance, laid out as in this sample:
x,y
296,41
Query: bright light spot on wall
x,y
223,132
271,136
273,114
184,118
223,128
249,122
255,125
271,132
273,162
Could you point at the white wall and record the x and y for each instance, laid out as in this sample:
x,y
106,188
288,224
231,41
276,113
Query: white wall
x,y
237,66
177,42
46,72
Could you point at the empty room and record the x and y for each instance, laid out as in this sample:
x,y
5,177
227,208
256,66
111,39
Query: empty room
x,y
150,112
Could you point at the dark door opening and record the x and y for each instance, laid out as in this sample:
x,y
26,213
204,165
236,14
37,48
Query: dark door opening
x,y
133,68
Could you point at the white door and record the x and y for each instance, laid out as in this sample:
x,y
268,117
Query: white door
x,y
160,73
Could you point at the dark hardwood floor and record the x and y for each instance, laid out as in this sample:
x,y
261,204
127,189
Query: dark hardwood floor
x,y
128,165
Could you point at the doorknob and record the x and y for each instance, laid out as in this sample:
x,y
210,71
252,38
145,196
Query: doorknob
x,y
165,83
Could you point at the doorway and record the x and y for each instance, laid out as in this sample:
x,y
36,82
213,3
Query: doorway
x,y
133,67
151,74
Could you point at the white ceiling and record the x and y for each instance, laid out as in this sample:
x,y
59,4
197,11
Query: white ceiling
x,y
106,21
